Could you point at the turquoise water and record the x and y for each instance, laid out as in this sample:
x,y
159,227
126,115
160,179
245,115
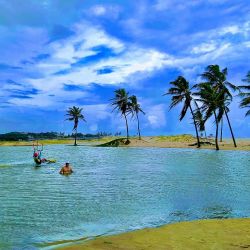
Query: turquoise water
x,y
115,190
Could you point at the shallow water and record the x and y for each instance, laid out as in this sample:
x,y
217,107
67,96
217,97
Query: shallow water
x,y
115,190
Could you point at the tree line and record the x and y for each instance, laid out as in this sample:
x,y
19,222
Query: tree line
x,y
209,98
122,102
29,136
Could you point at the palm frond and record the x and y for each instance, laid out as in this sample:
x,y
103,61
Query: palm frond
x,y
184,109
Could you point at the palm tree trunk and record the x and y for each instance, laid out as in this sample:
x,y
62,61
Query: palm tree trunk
x,y
196,130
221,128
230,128
217,128
75,138
138,123
126,127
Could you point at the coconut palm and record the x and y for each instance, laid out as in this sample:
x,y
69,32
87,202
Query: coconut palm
x,y
245,102
75,114
136,109
213,104
218,80
200,122
121,104
181,92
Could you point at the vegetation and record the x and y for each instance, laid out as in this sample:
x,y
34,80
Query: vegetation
x,y
211,97
175,138
199,120
136,109
121,104
114,143
181,92
127,105
75,114
218,80
245,94
19,136
212,104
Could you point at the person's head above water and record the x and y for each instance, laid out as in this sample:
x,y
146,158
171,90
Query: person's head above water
x,y
35,154
66,169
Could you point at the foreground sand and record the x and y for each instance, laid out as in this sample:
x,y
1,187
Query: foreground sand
x,y
177,141
224,234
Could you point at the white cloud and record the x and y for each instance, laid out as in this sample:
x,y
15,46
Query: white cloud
x,y
204,48
234,29
97,112
98,10
156,116
247,44
128,60
219,33
162,5
107,10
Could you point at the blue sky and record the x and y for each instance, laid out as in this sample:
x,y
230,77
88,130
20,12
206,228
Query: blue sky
x,y
60,53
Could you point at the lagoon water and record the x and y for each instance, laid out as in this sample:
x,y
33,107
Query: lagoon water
x,y
115,190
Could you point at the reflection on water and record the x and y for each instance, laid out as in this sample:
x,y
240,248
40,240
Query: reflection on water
x,y
114,190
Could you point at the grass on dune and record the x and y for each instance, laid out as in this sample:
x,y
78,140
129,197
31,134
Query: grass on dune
x,y
54,141
175,138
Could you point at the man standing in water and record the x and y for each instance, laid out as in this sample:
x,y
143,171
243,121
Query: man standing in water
x,y
66,169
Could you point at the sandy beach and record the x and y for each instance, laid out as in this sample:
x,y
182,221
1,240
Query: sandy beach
x,y
226,234
186,142
176,141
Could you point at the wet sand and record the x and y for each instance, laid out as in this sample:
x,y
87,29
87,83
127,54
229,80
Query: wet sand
x,y
226,234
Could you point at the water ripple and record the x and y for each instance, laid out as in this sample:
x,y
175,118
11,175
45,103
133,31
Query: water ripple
x,y
114,190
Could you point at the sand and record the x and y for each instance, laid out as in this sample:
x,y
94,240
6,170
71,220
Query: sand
x,y
155,142
223,234
177,141
185,141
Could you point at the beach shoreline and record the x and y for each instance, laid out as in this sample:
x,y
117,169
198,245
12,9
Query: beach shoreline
x,y
199,234
178,141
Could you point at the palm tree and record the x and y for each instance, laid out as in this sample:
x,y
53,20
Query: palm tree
x,y
136,108
122,105
75,114
218,79
245,102
212,104
200,122
221,129
182,93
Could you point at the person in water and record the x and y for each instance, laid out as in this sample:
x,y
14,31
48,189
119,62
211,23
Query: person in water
x,y
37,158
66,169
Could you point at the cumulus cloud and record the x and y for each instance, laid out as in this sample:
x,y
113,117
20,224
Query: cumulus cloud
x,y
118,45
204,48
79,59
162,5
156,116
107,10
